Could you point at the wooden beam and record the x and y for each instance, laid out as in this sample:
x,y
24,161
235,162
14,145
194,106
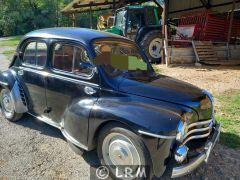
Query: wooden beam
x,y
92,4
93,10
231,21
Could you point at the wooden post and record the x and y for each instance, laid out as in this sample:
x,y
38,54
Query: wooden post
x,y
73,20
230,26
164,23
166,47
114,6
91,16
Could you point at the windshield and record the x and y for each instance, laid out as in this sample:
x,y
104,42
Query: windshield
x,y
122,59
120,20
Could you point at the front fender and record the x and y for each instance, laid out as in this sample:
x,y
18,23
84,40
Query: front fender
x,y
8,80
139,113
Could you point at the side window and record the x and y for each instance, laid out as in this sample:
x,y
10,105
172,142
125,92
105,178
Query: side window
x,y
30,54
35,54
63,57
41,55
71,59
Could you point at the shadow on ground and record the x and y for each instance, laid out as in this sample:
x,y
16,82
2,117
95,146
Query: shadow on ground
x,y
30,122
230,140
45,129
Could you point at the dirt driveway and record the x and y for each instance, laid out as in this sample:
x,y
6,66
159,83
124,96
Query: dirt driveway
x,y
216,79
31,149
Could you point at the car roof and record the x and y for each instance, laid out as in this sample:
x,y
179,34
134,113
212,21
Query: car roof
x,y
82,35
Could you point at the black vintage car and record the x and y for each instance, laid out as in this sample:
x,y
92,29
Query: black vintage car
x,y
102,93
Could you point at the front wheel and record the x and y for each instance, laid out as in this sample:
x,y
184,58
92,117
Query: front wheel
x,y
153,46
120,149
7,106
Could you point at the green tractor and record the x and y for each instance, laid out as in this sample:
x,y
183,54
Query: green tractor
x,y
141,24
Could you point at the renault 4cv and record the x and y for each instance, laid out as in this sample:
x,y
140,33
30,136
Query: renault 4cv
x,y
100,90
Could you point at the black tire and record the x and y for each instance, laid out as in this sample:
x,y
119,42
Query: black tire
x,y
136,141
150,39
9,115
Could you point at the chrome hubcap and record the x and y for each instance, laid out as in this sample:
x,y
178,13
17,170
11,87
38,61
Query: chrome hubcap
x,y
118,150
7,103
155,48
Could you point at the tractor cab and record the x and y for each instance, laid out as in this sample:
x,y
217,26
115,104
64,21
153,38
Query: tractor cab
x,y
140,24
129,19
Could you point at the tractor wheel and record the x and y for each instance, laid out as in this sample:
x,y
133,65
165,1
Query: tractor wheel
x,y
153,46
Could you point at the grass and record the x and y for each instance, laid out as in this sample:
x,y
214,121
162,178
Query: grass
x,y
11,42
9,54
229,116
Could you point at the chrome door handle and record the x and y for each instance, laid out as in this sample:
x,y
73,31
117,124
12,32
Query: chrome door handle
x,y
89,90
20,72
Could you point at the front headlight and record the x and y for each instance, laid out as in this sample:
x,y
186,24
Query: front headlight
x,y
210,96
182,131
211,101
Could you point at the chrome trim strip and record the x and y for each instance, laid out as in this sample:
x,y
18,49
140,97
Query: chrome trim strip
x,y
188,168
72,140
3,83
196,137
156,135
199,123
61,77
49,121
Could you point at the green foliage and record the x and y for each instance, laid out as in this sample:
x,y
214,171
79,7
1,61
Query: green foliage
x,y
11,42
229,116
21,16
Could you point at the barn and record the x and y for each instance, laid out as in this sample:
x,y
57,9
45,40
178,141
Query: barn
x,y
192,31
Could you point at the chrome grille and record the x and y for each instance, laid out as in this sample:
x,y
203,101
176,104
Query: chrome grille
x,y
197,130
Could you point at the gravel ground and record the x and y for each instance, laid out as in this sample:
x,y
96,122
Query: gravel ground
x,y
31,149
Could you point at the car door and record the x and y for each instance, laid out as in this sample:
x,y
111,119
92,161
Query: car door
x,y
71,89
31,73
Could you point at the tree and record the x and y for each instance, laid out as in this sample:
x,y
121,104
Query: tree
x,y
21,16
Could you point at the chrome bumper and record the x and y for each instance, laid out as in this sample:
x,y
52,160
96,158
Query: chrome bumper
x,y
186,169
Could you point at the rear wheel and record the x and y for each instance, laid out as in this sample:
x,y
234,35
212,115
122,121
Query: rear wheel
x,y
153,46
119,149
7,106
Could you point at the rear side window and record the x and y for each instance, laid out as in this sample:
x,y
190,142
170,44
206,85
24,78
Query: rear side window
x,y
63,57
35,54
71,59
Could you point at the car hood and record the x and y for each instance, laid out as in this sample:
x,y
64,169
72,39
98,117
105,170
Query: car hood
x,y
164,88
